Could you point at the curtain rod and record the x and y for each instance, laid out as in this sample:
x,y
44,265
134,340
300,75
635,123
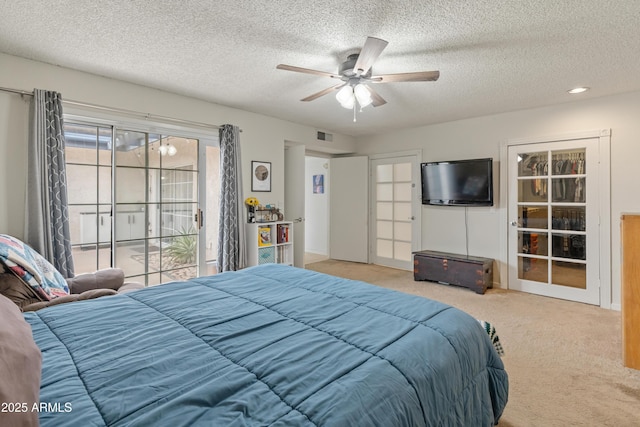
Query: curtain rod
x,y
147,116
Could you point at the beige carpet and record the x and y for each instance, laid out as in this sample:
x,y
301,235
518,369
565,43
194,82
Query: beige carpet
x,y
564,359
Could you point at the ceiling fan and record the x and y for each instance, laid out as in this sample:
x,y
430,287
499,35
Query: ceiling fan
x,y
355,73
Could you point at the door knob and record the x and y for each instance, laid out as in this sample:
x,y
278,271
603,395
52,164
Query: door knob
x,y
516,224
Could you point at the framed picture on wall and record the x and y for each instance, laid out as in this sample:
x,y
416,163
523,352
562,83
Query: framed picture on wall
x,y
318,184
260,176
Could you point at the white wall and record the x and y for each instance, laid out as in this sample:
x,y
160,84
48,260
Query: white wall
x,y
443,228
14,117
262,137
316,207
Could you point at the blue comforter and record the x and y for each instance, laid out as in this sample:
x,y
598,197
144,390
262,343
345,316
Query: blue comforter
x,y
268,345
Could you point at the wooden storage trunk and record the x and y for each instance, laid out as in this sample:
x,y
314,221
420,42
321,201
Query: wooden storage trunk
x,y
475,273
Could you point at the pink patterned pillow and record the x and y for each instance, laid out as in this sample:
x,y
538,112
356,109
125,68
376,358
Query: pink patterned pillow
x,y
31,267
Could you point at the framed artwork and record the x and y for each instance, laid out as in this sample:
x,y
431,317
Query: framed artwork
x,y
318,184
260,176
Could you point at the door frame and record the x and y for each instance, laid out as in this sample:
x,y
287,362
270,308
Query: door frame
x,y
416,231
604,203
294,196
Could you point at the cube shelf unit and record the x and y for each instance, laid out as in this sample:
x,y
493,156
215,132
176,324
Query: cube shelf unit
x,y
269,242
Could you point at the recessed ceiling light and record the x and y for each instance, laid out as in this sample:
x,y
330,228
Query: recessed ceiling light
x,y
578,90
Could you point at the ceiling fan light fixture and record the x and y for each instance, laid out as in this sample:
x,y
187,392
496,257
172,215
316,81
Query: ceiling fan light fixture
x,y
345,97
362,95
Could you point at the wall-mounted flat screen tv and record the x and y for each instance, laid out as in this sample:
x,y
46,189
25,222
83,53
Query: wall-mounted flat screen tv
x,y
458,183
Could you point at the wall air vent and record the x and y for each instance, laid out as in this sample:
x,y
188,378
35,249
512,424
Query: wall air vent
x,y
323,136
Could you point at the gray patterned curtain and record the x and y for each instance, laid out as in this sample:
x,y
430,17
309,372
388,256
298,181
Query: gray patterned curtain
x,y
47,221
231,246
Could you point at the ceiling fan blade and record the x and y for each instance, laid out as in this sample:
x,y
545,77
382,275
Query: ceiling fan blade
x,y
306,71
372,48
420,76
322,93
377,99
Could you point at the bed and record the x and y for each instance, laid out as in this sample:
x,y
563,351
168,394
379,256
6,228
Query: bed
x,y
267,345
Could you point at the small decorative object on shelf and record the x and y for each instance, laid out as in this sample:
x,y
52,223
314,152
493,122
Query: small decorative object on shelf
x,y
264,236
268,213
251,203
283,233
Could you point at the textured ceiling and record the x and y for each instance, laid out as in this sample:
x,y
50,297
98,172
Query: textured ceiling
x,y
493,55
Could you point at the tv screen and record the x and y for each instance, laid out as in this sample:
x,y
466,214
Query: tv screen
x,y
458,183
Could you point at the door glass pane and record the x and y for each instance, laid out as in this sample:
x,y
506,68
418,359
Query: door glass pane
x,y
534,269
569,274
402,191
156,146
384,248
178,219
131,257
569,162
104,184
402,251
402,211
533,190
81,142
384,229
104,225
384,192
179,185
533,243
104,257
569,218
569,246
154,279
154,226
568,190
131,148
402,231
384,210
176,152
179,254
82,182
130,185
85,258
402,172
384,173
83,224
533,216
533,164
104,146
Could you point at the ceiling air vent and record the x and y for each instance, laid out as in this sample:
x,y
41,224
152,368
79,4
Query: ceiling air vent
x,y
323,136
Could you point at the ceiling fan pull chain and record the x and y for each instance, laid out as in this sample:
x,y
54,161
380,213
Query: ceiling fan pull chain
x,y
354,111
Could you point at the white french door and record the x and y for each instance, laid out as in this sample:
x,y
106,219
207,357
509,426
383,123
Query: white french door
x,y
553,211
395,211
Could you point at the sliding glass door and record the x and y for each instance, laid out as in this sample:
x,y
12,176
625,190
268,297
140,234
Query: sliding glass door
x,y
136,200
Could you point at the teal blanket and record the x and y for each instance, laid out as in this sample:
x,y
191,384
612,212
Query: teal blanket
x,y
268,345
